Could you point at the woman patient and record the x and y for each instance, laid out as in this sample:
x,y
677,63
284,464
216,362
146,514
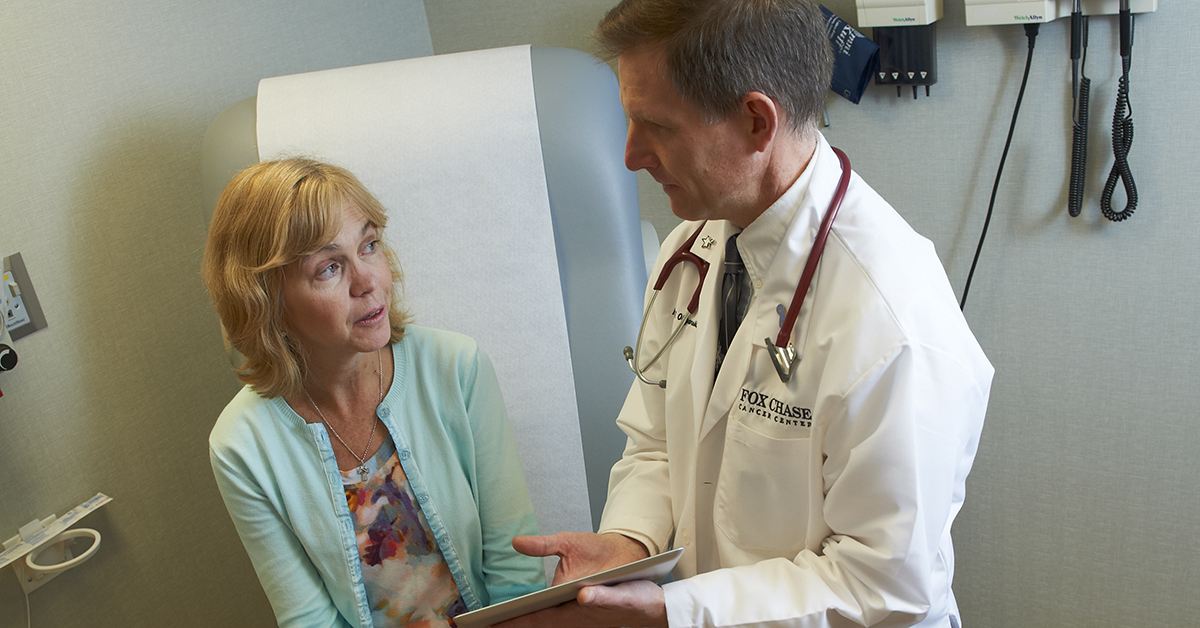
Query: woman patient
x,y
367,464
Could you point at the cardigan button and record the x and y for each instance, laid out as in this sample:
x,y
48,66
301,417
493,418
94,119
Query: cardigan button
x,y
384,412
404,454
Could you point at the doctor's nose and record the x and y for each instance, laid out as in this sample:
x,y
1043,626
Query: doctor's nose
x,y
638,154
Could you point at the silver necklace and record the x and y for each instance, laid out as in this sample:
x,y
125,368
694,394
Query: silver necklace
x,y
362,460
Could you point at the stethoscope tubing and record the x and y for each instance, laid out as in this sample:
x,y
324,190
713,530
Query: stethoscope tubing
x,y
814,256
684,254
636,355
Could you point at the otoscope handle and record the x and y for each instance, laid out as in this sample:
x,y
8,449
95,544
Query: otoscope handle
x,y
1126,19
1076,35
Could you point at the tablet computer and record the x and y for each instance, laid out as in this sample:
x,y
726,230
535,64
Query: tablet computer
x,y
653,568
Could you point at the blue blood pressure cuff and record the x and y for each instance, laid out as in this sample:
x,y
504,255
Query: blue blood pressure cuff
x,y
854,58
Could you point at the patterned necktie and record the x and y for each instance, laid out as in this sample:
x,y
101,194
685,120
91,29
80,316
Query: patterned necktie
x,y
735,298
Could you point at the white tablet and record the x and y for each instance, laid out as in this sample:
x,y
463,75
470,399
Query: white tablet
x,y
654,568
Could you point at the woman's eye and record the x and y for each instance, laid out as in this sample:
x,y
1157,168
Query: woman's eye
x,y
371,246
329,270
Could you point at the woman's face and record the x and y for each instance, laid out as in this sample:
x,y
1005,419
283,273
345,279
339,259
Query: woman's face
x,y
336,300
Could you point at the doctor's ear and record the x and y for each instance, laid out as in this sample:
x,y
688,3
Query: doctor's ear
x,y
764,117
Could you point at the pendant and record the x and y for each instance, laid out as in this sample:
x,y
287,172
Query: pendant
x,y
362,472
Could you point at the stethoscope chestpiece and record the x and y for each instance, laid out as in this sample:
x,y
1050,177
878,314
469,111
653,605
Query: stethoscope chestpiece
x,y
784,359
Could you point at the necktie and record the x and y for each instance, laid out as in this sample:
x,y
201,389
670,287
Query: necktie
x,y
735,298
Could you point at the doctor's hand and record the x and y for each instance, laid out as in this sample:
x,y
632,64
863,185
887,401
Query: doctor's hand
x,y
582,554
638,604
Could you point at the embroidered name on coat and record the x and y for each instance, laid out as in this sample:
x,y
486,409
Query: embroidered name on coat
x,y
773,409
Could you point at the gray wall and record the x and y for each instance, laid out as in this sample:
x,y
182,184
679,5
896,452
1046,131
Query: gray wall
x,y
102,113
1082,509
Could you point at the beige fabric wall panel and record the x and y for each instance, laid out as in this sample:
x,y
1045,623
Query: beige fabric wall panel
x,y
103,111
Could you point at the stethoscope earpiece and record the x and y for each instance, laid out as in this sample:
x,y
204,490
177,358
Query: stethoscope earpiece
x,y
662,383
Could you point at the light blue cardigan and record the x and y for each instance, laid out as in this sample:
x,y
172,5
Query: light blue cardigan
x,y
279,479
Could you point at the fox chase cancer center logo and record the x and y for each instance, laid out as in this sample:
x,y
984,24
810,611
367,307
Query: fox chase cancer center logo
x,y
774,410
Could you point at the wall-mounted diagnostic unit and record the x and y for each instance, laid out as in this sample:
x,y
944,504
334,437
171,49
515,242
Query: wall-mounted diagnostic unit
x,y
1032,14
996,12
986,12
1105,7
904,32
1122,119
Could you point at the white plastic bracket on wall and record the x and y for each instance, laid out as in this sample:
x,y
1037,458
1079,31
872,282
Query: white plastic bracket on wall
x,y
39,534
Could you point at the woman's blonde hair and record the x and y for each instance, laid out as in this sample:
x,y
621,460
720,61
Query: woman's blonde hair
x,y
270,215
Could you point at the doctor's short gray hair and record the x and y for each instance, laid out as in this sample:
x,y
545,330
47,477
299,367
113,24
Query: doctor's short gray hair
x,y
717,51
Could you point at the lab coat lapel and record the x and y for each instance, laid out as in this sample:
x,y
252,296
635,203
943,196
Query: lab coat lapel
x,y
779,285
727,383
788,265
705,358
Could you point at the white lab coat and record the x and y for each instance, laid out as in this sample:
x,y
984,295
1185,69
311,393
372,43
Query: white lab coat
x,y
826,501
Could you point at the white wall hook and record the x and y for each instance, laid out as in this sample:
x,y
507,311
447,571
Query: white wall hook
x,y
61,542
50,540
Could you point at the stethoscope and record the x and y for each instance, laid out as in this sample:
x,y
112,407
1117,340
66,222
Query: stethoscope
x,y
782,353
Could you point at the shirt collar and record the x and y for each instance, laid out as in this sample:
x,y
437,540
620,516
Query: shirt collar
x,y
761,239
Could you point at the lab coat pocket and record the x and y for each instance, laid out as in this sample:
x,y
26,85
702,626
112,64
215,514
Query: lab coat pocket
x,y
762,492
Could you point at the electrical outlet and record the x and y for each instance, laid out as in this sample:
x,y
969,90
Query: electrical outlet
x,y
22,314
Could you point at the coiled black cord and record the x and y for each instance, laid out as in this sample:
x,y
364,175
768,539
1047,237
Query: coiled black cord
x,y
1031,32
1079,130
1079,142
1122,136
1122,139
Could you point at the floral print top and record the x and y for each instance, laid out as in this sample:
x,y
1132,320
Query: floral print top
x,y
407,579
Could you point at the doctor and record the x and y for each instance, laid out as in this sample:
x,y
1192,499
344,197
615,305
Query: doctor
x,y
823,500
